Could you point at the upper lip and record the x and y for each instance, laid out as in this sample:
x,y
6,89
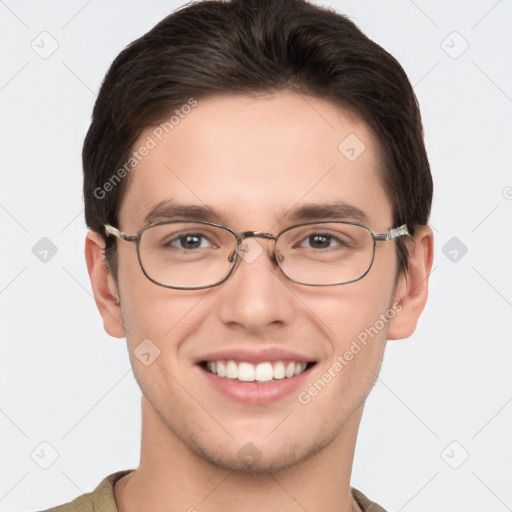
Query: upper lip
x,y
261,355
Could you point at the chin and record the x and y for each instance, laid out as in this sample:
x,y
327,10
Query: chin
x,y
255,457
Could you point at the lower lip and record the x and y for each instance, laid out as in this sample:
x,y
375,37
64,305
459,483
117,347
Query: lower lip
x,y
255,392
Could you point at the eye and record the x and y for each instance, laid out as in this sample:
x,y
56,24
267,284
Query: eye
x,y
318,241
189,241
322,241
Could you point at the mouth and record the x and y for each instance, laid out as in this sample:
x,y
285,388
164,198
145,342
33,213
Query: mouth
x,y
262,372
255,377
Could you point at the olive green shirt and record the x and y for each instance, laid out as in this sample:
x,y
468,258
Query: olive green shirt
x,y
102,498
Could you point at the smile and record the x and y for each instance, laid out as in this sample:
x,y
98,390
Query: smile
x,y
261,372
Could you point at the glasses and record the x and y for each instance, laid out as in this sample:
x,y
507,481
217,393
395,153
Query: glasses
x,y
191,255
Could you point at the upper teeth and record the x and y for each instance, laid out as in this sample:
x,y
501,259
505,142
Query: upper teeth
x,y
261,372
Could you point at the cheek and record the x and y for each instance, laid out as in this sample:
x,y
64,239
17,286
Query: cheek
x,y
350,310
357,317
357,324
152,311
162,316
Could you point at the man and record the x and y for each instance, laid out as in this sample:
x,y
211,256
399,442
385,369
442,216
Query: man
x,y
258,192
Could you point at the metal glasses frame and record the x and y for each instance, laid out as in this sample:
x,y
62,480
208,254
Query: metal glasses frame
x,y
243,235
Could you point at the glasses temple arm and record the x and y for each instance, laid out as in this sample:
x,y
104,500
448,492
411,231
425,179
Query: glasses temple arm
x,y
111,230
394,233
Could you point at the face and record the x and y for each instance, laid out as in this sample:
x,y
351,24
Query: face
x,y
254,162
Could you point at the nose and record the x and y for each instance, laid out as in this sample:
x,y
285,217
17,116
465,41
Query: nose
x,y
256,296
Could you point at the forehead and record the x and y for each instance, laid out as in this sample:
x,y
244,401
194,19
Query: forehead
x,y
252,160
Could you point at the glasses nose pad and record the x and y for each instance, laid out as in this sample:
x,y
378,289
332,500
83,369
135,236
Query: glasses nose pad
x,y
237,251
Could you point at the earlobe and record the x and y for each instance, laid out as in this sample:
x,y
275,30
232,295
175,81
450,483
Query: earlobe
x,y
412,288
103,285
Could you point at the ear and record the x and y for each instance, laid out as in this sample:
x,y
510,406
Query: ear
x,y
104,287
412,287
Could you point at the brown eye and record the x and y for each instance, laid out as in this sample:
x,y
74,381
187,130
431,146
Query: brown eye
x,y
319,241
189,241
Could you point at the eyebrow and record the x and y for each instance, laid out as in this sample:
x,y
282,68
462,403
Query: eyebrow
x,y
338,210
170,210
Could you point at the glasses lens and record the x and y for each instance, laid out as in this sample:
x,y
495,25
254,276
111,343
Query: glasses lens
x,y
185,254
325,253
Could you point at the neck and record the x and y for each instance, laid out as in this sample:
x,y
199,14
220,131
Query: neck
x,y
171,477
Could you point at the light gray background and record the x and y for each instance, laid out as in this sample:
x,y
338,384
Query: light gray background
x,y
443,394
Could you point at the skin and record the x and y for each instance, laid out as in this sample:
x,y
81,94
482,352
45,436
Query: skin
x,y
253,159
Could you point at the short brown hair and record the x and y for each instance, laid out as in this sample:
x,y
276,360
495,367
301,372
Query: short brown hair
x,y
217,47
